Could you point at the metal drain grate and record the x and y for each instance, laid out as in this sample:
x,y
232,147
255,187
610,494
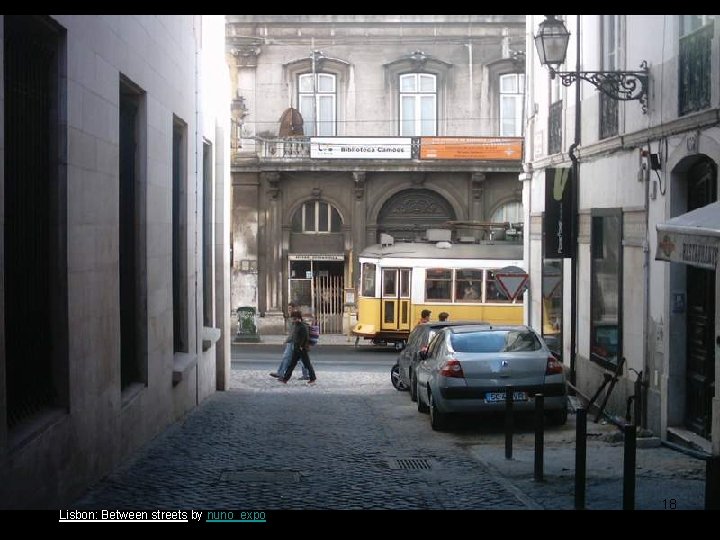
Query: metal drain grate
x,y
260,476
411,464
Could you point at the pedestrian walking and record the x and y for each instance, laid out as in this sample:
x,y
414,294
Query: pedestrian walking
x,y
287,353
300,343
443,316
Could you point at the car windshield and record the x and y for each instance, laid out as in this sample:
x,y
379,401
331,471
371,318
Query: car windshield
x,y
495,341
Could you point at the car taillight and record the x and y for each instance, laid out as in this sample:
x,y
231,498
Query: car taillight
x,y
553,366
452,368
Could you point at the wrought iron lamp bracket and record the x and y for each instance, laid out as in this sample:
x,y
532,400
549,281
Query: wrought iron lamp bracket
x,y
618,85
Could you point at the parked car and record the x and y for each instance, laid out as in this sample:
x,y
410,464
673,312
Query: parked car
x,y
417,342
467,369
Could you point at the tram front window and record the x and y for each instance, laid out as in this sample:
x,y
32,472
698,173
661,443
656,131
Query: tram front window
x,y
368,279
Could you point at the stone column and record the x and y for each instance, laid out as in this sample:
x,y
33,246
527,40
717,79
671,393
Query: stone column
x,y
244,108
476,208
359,221
271,247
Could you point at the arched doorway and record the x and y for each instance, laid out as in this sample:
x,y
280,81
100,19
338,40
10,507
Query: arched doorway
x,y
316,264
409,213
700,320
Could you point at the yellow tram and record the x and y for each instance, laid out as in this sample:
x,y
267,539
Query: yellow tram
x,y
398,281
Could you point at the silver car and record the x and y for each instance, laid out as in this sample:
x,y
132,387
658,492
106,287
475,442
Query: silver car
x,y
466,369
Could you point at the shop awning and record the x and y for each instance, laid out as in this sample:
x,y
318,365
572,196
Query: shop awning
x,y
692,238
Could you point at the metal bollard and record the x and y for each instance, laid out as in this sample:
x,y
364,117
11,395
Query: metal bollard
x,y
509,428
580,457
712,483
539,436
629,430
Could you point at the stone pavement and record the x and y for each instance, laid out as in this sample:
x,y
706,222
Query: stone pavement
x,y
353,442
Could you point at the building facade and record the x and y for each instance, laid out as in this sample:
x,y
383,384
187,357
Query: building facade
x,y
348,127
636,307
114,244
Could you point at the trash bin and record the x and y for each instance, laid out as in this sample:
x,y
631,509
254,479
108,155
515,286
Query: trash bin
x,y
247,327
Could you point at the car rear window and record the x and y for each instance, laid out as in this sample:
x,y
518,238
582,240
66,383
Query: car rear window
x,y
495,341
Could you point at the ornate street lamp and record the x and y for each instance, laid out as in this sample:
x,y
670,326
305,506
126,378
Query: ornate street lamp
x,y
551,43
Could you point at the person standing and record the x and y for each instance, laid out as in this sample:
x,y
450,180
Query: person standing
x,y
300,343
424,316
443,316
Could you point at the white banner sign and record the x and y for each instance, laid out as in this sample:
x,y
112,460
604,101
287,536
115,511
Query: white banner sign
x,y
360,147
316,257
695,250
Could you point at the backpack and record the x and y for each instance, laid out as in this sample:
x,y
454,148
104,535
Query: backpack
x,y
314,333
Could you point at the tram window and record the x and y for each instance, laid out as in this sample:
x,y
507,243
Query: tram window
x,y
438,284
405,283
468,285
389,283
368,288
389,312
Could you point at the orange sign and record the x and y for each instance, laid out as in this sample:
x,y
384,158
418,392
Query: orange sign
x,y
484,148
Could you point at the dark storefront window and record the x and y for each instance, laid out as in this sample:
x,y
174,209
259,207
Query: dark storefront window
x,y
606,283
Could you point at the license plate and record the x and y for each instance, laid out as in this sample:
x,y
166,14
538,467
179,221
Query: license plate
x,y
493,397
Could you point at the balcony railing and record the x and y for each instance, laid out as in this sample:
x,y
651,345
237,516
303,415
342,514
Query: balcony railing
x,y
487,148
284,148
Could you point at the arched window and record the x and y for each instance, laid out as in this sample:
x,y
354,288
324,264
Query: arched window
x,y
418,104
316,100
511,212
316,217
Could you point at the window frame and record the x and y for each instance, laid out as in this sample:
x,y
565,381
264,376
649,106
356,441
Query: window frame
x,y
318,96
503,207
456,281
612,31
316,218
417,96
518,98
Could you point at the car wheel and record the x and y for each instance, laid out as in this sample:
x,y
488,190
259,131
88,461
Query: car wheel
x,y
413,387
421,407
395,378
438,420
558,417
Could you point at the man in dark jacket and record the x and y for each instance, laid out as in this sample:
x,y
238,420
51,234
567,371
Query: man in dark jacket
x,y
301,343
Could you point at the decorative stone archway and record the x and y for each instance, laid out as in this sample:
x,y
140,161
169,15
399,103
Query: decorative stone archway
x,y
409,213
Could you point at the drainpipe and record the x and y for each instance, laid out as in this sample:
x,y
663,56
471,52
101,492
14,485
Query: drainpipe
x,y
574,190
643,397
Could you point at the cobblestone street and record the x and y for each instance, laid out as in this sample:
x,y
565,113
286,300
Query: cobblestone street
x,y
337,445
